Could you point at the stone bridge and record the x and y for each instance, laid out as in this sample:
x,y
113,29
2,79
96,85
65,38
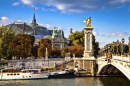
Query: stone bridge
x,y
118,65
112,62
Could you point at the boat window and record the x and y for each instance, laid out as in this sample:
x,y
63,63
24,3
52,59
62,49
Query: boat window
x,y
55,73
14,74
29,76
18,74
11,74
7,74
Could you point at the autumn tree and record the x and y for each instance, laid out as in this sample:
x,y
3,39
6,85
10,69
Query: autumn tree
x,y
23,45
6,40
46,42
35,51
55,52
64,51
77,50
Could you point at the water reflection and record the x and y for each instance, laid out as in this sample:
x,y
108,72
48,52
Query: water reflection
x,y
82,81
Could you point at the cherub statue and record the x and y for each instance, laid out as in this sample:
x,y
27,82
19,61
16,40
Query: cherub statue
x,y
88,22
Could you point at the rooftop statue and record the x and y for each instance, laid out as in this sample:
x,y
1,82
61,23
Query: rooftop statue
x,y
88,22
57,33
54,31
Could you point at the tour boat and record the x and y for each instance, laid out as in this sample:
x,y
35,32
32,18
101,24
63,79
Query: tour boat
x,y
61,74
22,74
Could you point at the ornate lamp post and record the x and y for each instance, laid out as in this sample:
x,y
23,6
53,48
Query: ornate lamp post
x,y
109,53
102,51
99,53
113,47
129,45
122,45
105,49
109,47
117,53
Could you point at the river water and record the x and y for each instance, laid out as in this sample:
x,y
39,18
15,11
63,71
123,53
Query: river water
x,y
81,81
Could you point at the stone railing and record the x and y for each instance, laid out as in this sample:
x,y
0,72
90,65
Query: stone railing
x,y
122,58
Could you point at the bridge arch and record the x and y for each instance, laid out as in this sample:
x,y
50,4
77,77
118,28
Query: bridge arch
x,y
119,66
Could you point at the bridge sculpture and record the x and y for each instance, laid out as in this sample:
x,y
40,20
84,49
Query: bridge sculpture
x,y
112,59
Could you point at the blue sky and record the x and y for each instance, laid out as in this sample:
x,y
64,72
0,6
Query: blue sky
x,y
110,18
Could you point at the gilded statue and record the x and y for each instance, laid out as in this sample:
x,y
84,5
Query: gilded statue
x,y
88,22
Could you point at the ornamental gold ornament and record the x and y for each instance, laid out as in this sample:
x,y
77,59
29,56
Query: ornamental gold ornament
x,y
88,22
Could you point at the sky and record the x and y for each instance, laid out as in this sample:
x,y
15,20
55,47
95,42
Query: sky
x,y
110,18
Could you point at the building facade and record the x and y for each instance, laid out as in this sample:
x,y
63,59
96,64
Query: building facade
x,y
39,32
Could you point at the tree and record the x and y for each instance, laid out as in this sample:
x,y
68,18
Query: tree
x,y
6,40
35,51
46,42
23,45
77,50
77,39
55,52
95,46
63,51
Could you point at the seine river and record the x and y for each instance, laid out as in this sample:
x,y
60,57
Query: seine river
x,y
82,81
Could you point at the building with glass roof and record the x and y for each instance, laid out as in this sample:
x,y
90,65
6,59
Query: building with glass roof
x,y
40,32
33,28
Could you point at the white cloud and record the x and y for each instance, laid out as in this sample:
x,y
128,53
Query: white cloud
x,y
78,5
95,33
119,34
15,4
19,21
51,27
4,18
28,2
5,21
116,34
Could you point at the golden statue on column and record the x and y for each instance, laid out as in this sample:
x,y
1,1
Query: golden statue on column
x,y
88,22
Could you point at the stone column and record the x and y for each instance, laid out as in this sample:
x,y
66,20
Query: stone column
x,y
88,42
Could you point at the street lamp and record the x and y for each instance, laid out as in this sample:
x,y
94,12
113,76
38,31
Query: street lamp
x,y
129,45
113,47
123,40
117,47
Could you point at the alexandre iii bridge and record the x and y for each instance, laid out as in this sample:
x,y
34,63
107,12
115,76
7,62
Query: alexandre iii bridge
x,y
111,61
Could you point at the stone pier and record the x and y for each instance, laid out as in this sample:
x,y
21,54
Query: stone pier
x,y
87,62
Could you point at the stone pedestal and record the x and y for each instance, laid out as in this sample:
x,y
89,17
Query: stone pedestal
x,y
88,42
88,59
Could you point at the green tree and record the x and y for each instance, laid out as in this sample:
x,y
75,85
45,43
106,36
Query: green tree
x,y
6,40
95,46
77,39
46,42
